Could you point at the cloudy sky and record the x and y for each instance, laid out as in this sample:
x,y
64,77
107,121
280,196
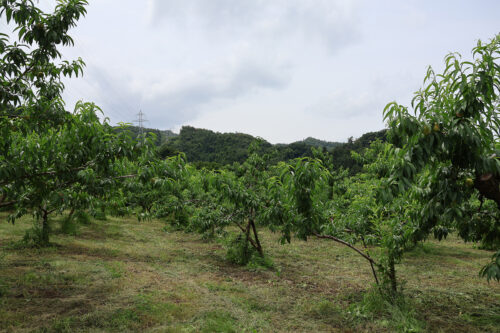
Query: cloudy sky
x,y
283,70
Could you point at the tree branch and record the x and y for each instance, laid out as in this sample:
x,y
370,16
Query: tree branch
x,y
49,173
8,203
338,240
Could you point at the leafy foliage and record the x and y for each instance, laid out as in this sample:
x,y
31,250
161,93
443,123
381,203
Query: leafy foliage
x,y
50,159
446,155
439,173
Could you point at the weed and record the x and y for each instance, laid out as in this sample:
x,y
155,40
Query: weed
x,y
34,237
68,226
240,252
397,314
326,311
217,321
98,213
258,263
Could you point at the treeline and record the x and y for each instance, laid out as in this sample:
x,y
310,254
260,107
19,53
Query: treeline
x,y
159,137
206,148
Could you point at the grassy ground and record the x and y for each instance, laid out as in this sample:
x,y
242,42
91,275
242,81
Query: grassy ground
x,y
122,275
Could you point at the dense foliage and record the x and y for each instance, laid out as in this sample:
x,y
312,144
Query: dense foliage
x,y
213,150
50,159
160,136
447,152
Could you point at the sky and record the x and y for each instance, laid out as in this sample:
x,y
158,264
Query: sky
x,y
283,70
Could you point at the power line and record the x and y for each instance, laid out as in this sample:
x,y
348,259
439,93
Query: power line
x,y
140,120
126,110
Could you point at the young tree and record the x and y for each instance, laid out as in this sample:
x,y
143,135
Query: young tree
x,y
448,150
237,197
158,190
243,196
49,158
304,207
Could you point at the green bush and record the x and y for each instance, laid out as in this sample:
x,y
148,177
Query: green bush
x,y
396,314
239,252
34,237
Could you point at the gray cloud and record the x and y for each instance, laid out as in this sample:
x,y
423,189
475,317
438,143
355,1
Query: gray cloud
x,y
169,105
332,22
183,102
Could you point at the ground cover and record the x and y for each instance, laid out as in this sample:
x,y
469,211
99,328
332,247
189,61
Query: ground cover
x,y
122,275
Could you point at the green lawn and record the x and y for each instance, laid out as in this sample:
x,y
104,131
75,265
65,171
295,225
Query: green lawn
x,y
122,275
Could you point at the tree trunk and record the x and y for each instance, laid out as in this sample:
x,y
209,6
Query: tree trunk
x,y
392,276
489,186
259,247
45,228
247,238
71,212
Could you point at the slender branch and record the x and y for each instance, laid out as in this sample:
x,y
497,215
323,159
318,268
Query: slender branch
x,y
240,226
8,203
371,263
255,235
481,198
15,116
245,231
364,255
125,176
51,211
50,173
27,69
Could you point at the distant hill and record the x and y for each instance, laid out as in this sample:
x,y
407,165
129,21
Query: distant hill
x,y
320,143
208,148
202,145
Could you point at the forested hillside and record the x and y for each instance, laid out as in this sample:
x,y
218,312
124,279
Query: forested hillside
x,y
321,143
160,136
209,148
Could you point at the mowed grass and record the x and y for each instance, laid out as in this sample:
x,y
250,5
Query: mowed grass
x,y
122,275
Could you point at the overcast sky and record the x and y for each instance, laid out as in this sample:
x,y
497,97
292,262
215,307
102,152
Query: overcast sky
x,y
283,70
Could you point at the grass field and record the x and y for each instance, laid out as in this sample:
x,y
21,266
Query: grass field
x,y
122,275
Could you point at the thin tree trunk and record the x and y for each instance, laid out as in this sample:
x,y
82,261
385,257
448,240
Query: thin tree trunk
x,y
259,247
45,228
392,275
247,238
71,212
371,262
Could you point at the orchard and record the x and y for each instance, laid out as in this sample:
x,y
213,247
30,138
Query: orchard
x,y
437,175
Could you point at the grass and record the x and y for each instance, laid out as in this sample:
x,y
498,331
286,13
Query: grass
x,y
122,275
